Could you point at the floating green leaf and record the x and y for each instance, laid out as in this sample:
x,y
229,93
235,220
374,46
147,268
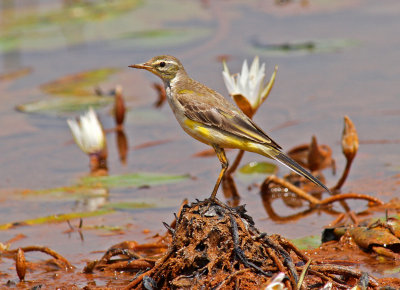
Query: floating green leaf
x,y
80,84
129,205
303,47
132,180
60,105
74,93
258,167
78,190
308,242
78,22
164,37
32,29
56,218
98,186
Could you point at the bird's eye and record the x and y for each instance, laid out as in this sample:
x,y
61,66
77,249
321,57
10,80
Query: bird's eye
x,y
162,64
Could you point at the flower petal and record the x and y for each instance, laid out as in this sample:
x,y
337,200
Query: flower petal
x,y
88,132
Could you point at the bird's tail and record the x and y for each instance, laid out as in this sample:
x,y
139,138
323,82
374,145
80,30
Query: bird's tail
x,y
289,162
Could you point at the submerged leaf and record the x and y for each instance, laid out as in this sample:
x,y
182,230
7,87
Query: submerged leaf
x,y
303,47
96,185
32,29
80,84
12,75
309,242
258,167
128,205
74,93
164,37
132,180
62,105
56,218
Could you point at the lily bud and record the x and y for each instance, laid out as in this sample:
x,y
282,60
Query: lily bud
x,y
20,264
349,139
119,107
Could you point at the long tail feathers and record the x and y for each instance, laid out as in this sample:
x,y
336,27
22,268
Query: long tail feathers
x,y
289,162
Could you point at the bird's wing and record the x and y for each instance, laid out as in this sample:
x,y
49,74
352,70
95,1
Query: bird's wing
x,y
220,113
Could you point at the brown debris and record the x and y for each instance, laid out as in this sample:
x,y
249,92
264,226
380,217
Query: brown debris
x,y
313,156
215,246
378,237
60,260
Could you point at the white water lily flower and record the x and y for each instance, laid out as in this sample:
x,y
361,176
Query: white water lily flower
x,y
249,84
88,133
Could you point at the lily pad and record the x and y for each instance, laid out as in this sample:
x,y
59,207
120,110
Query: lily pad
x,y
128,205
99,185
164,37
80,84
308,242
60,105
258,168
56,218
132,180
86,22
304,47
73,93
35,30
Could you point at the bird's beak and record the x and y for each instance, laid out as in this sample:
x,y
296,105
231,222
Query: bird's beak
x,y
145,66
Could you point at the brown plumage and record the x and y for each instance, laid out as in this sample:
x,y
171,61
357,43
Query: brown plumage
x,y
210,118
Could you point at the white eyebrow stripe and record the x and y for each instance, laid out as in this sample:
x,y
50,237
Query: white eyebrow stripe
x,y
166,61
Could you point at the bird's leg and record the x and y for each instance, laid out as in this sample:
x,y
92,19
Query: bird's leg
x,y
224,163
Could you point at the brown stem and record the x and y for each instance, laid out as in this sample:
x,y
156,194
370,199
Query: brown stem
x,y
289,245
124,265
342,270
279,264
98,163
228,279
343,178
46,250
350,195
139,279
293,189
235,163
230,191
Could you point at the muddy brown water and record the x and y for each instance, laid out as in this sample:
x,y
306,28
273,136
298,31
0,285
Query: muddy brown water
x,y
351,69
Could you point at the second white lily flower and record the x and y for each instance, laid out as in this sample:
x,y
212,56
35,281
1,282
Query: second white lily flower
x,y
88,133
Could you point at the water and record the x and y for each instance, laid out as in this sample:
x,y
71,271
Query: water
x,y
350,69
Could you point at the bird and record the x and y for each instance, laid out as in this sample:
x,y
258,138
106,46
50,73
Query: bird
x,y
210,118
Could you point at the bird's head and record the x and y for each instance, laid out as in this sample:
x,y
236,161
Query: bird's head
x,y
164,66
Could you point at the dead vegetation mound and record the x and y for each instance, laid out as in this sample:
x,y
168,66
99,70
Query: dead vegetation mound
x,y
217,247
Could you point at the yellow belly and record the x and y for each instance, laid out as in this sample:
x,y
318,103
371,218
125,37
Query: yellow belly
x,y
210,136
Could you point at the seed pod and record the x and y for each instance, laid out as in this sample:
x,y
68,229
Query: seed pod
x,y
20,264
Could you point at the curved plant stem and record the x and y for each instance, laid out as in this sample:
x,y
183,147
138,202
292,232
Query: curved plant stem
x,y
293,188
235,163
48,251
301,193
350,195
343,178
